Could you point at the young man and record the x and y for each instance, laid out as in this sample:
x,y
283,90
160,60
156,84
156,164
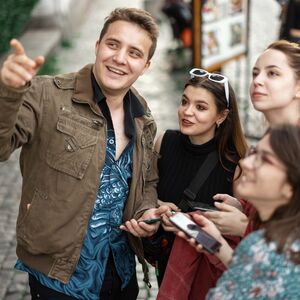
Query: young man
x,y
86,141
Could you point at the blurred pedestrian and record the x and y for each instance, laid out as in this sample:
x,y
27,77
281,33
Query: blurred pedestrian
x,y
179,13
290,19
86,141
209,128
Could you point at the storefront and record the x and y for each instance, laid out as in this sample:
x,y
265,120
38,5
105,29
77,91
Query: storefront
x,y
220,32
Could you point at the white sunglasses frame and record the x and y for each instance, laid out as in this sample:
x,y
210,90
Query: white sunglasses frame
x,y
208,75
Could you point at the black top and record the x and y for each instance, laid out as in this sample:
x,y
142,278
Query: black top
x,y
179,163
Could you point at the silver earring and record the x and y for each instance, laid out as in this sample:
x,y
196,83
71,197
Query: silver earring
x,y
218,125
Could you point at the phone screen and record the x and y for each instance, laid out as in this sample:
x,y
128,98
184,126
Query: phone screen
x,y
193,230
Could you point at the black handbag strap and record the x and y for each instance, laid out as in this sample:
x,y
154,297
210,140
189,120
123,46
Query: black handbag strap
x,y
190,193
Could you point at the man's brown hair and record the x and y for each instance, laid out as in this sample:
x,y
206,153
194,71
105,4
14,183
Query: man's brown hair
x,y
137,16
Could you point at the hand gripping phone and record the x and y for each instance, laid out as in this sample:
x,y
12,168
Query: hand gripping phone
x,y
190,228
150,221
194,205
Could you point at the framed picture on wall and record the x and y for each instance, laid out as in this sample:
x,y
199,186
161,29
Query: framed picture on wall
x,y
220,31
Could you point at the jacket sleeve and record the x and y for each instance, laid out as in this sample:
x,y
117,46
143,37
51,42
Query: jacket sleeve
x,y
20,115
150,178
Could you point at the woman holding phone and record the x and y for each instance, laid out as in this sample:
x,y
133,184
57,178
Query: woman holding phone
x,y
208,122
266,264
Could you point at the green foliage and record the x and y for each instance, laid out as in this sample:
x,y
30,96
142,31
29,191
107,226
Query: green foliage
x,y
14,16
66,43
50,66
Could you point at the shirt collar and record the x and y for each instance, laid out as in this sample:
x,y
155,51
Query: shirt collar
x,y
132,107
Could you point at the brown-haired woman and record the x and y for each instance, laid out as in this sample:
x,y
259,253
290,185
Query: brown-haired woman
x,y
209,122
274,91
266,264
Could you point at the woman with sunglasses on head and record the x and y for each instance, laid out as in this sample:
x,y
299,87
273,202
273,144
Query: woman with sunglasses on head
x,y
274,91
208,122
266,264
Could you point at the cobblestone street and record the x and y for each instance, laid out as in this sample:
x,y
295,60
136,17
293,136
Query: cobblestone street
x,y
160,86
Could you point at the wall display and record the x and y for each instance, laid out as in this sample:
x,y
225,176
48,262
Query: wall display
x,y
220,31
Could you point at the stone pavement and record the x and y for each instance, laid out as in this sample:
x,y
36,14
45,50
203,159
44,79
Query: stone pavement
x,y
160,86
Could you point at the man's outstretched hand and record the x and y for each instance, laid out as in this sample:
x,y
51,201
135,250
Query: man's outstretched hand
x,y
18,68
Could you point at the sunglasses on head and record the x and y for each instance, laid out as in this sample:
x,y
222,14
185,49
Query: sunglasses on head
x,y
213,77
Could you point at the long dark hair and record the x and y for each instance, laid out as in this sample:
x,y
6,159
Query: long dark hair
x,y
284,224
229,136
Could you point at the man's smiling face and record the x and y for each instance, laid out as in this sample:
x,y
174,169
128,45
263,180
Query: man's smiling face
x,y
121,57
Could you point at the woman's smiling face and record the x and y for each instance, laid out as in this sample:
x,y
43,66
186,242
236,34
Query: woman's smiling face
x,y
264,180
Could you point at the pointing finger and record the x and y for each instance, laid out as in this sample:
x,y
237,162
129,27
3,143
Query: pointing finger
x,y
39,60
17,46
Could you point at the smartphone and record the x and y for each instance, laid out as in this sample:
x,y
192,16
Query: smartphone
x,y
201,206
190,228
150,221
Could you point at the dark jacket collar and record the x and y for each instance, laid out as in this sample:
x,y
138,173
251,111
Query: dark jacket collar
x,y
131,103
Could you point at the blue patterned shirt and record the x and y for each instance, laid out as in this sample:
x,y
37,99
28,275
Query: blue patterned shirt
x,y
103,234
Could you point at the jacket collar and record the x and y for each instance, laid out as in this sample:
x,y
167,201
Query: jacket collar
x,y
131,103
84,92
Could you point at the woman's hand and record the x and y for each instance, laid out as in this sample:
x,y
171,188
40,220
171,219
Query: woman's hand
x,y
207,226
166,224
172,206
225,252
229,219
230,200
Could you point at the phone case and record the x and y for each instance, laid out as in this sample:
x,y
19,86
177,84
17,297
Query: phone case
x,y
193,230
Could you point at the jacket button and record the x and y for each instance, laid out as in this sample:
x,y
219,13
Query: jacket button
x,y
96,124
68,148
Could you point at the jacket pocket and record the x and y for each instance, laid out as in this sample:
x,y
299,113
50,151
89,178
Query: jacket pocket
x,y
32,224
40,229
72,145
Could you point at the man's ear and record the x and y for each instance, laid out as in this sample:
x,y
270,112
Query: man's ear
x,y
147,65
96,46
